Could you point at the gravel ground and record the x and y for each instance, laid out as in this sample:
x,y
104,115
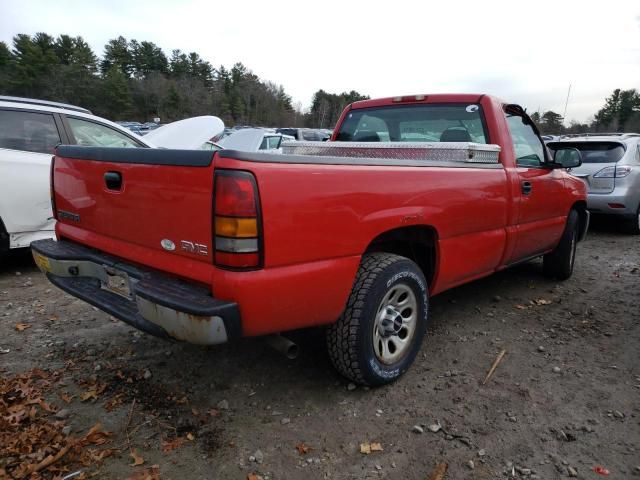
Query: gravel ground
x,y
564,399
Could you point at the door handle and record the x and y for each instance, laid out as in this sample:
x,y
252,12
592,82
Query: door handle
x,y
526,188
113,180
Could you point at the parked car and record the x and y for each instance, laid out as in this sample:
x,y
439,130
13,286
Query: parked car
x,y
254,139
135,127
211,246
30,130
307,134
611,169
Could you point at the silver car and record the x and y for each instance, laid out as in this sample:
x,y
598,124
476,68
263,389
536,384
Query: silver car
x,y
611,169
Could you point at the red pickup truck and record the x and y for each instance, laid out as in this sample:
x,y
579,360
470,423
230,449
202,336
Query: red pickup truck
x,y
413,195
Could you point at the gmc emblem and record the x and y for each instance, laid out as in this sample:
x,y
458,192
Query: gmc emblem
x,y
194,248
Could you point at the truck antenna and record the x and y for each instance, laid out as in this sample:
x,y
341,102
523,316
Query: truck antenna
x,y
566,103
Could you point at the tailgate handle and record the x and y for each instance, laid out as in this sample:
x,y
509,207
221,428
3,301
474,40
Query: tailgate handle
x,y
526,188
113,180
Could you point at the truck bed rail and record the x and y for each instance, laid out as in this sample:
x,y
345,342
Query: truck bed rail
x,y
465,152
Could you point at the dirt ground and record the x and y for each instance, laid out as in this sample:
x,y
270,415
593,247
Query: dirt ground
x,y
564,400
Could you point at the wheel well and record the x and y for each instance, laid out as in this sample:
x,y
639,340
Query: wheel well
x,y
583,217
417,243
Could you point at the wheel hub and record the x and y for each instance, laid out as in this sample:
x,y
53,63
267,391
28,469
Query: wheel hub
x,y
395,324
390,321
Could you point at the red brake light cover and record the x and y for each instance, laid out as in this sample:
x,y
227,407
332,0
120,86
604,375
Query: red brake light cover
x,y
235,195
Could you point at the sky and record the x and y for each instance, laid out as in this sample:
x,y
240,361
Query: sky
x,y
525,52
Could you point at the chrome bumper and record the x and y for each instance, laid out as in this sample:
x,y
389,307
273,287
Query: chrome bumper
x,y
150,301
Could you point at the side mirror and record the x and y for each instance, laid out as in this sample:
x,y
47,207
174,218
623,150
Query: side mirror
x,y
567,157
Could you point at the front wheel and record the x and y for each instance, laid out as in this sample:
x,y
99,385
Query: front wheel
x,y
559,263
379,334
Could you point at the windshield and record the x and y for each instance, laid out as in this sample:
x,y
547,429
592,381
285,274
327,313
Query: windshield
x,y
415,123
594,152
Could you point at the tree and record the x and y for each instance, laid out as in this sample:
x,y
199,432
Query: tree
x,y
326,107
116,97
31,63
619,108
147,57
117,53
535,117
135,80
551,123
5,59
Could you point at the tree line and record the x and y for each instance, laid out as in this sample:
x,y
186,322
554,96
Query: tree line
x,y
136,80
620,113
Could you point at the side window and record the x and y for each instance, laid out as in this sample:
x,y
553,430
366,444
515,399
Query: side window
x,y
529,148
28,131
274,142
96,135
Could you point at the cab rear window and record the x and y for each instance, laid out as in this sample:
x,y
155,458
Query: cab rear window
x,y
415,123
595,152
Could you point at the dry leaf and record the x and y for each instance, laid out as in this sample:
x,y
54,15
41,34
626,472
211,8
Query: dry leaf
x,y
96,436
66,398
252,476
376,447
302,448
89,394
169,445
439,472
137,458
149,473
190,437
520,307
20,327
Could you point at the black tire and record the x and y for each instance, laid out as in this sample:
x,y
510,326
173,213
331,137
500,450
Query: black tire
x,y
350,341
559,263
633,223
4,240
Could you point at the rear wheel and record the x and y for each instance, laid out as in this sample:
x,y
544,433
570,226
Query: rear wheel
x,y
4,240
633,223
380,332
559,263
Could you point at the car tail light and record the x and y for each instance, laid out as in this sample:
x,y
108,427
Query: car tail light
x,y
236,221
51,190
613,172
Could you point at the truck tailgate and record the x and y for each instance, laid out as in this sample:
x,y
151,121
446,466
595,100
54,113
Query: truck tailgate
x,y
159,199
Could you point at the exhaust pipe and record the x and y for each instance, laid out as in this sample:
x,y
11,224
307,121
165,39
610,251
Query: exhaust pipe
x,y
283,345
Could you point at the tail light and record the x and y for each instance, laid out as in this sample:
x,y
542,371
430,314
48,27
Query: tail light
x,y
613,172
237,231
51,190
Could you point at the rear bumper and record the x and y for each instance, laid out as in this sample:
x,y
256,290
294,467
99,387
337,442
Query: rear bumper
x,y
599,202
155,303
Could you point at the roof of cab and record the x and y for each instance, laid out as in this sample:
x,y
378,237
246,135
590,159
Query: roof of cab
x,y
427,98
